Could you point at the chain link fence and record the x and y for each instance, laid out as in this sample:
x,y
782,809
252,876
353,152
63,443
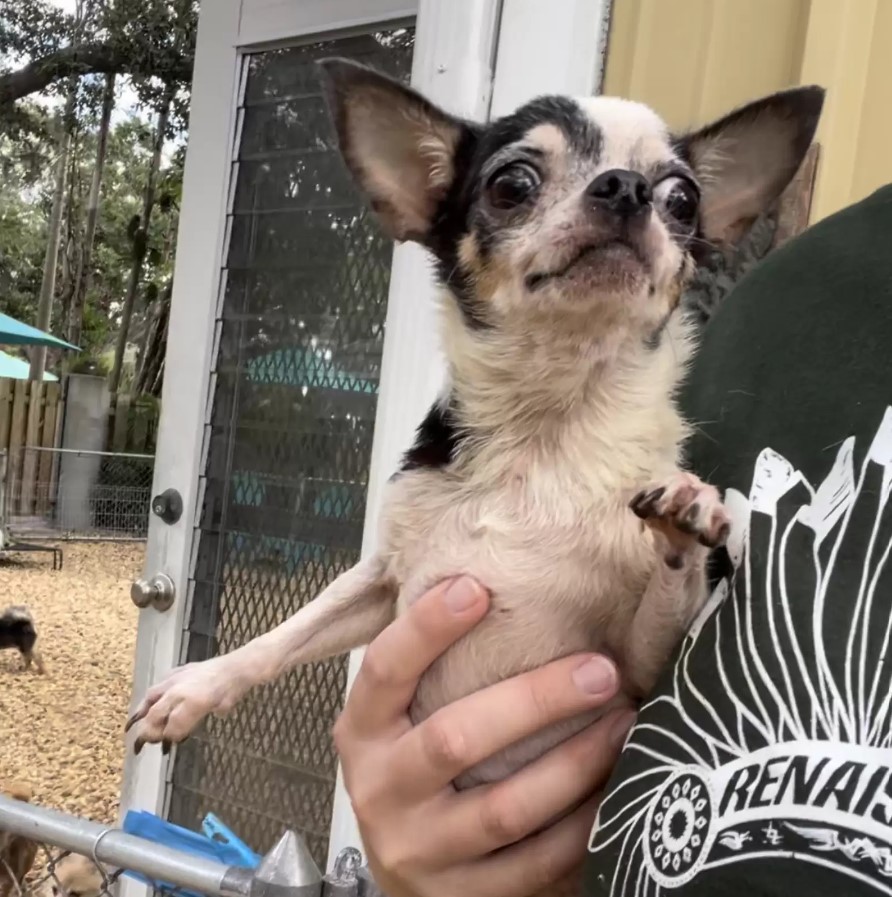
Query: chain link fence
x,y
75,494
45,853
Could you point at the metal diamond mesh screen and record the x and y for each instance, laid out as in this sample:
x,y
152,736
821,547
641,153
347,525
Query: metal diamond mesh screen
x,y
304,295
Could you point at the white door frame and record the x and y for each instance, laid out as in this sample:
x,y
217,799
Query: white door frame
x,y
555,46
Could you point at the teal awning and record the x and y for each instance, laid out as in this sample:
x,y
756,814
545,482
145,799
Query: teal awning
x,y
16,369
17,333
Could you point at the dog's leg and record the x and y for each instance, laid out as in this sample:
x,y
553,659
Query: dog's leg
x,y
348,614
30,656
688,519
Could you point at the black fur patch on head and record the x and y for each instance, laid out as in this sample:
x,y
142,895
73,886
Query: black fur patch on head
x,y
479,143
436,440
450,225
582,134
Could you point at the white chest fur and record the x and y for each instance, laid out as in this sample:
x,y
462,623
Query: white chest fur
x,y
566,565
536,508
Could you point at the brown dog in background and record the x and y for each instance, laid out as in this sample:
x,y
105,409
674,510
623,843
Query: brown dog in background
x,y
71,876
76,876
17,854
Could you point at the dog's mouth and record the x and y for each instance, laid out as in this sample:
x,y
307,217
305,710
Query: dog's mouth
x,y
584,254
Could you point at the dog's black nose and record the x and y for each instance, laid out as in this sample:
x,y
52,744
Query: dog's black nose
x,y
626,193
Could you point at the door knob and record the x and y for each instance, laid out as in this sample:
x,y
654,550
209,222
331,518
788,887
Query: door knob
x,y
168,506
158,592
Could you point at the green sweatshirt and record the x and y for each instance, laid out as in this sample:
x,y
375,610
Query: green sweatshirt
x,y
763,763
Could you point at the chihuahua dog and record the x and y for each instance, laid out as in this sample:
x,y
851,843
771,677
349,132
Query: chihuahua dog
x,y
549,468
17,630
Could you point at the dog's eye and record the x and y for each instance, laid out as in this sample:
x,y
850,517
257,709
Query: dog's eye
x,y
512,186
678,197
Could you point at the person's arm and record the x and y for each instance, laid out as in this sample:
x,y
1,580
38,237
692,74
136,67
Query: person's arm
x,y
424,839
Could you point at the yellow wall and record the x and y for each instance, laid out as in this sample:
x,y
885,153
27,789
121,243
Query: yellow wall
x,y
693,60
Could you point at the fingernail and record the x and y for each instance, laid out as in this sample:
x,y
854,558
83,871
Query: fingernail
x,y
619,728
462,593
595,676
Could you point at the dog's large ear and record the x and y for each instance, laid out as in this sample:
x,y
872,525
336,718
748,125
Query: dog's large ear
x,y
399,147
745,160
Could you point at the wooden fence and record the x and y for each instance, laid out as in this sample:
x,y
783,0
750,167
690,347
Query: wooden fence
x,y
30,415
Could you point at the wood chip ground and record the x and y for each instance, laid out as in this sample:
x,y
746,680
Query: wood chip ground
x,y
62,733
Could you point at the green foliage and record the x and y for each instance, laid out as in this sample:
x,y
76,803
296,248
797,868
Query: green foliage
x,y
33,29
24,208
25,194
159,35
151,40
46,56
88,364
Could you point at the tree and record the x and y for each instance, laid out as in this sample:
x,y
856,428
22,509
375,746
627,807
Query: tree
x,y
26,162
140,229
151,356
107,234
83,15
54,231
142,38
26,193
75,318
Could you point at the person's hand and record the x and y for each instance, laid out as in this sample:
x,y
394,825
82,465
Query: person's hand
x,y
424,839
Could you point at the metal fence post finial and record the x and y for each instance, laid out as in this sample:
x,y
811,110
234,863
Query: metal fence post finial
x,y
343,879
288,870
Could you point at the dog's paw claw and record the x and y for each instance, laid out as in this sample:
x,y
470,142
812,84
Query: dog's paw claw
x,y
686,511
718,539
187,696
643,503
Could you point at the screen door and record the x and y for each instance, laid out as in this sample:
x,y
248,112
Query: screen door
x,y
301,328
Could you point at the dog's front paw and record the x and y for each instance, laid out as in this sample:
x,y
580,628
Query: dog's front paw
x,y
172,709
685,510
